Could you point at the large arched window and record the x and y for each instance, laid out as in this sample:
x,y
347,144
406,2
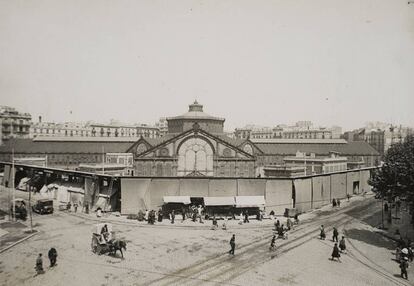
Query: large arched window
x,y
195,155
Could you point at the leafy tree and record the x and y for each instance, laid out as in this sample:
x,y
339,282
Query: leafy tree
x,y
396,176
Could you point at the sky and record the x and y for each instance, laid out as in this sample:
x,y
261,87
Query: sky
x,y
333,62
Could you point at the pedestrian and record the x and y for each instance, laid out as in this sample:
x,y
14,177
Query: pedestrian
x,y
75,206
333,203
241,218
404,266
224,226
335,235
410,254
232,244
335,252
52,256
348,196
296,218
68,206
322,234
39,264
342,245
200,212
172,216
183,213
289,223
273,243
160,215
146,215
338,202
215,225
385,207
272,215
246,216
277,225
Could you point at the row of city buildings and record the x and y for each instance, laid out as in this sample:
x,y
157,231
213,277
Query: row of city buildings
x,y
163,149
194,144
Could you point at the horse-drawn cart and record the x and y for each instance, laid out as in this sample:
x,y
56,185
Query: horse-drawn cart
x,y
103,240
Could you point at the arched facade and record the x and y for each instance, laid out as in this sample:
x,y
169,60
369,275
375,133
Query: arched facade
x,y
195,156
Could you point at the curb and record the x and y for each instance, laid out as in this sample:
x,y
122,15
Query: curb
x,y
19,241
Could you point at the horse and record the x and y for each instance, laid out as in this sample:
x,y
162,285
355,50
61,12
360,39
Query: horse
x,y
117,244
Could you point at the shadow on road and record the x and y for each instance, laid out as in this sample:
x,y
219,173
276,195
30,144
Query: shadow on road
x,y
369,238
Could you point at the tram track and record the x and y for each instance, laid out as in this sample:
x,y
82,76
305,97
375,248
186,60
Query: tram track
x,y
370,264
224,269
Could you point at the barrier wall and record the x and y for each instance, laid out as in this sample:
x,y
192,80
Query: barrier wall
x,y
321,191
278,196
310,192
338,186
303,194
160,188
222,188
134,195
251,187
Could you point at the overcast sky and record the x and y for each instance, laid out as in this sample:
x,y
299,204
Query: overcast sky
x,y
334,62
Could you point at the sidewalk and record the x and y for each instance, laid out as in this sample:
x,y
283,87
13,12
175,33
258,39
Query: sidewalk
x,y
12,233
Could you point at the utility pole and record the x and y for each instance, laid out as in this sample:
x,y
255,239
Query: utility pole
x,y
103,160
13,189
30,203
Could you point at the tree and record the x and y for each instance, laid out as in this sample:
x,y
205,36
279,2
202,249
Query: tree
x,y
396,176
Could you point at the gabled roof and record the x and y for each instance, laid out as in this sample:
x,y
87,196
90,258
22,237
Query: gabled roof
x,y
170,138
356,148
29,146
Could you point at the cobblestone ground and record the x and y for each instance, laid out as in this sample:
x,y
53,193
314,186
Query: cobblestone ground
x,y
193,254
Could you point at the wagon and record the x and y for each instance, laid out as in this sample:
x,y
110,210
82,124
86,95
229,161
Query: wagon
x,y
99,243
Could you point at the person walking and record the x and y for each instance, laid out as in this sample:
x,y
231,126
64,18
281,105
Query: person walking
x,y
246,216
52,254
322,233
172,216
335,235
39,264
333,203
232,244
160,215
338,202
200,213
335,252
404,266
183,212
342,245
273,243
289,224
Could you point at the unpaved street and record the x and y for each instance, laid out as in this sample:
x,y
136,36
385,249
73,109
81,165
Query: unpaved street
x,y
192,254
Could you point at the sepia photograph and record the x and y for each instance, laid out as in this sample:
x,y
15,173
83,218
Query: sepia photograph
x,y
206,142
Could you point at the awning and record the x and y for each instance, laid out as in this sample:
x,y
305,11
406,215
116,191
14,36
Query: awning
x,y
250,201
219,201
177,199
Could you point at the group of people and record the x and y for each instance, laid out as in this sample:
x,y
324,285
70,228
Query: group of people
x,y
404,254
336,202
215,223
281,230
52,254
336,252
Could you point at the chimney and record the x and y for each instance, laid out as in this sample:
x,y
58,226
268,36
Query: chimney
x,y
40,119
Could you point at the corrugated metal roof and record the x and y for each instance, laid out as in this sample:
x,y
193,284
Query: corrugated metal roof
x,y
47,147
299,141
358,148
